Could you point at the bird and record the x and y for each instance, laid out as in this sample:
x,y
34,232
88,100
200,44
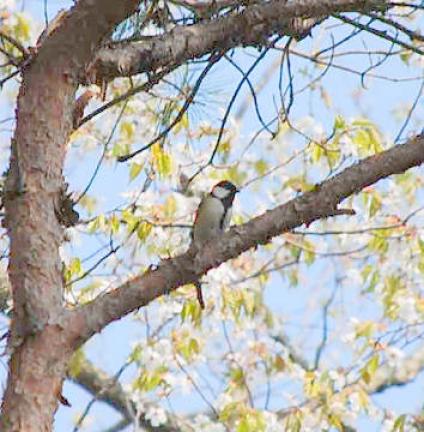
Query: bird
x,y
212,218
213,215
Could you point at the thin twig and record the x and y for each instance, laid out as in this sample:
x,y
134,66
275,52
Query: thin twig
x,y
214,58
245,383
14,42
8,77
352,71
324,338
380,33
253,93
408,32
105,148
410,112
94,399
227,111
146,86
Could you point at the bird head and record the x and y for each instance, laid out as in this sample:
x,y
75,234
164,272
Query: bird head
x,y
224,190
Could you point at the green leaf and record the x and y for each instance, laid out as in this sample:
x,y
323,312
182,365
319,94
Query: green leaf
x,y
367,138
339,123
392,286
193,347
399,425
161,161
237,376
299,184
188,347
135,355
366,271
368,371
279,363
373,282
249,302
114,224
22,28
375,204
148,381
261,167
97,224
365,329
235,175
74,268
405,56
130,219
308,252
243,426
252,421
170,207
76,363
335,421
127,130
317,152
120,149
182,124
191,310
293,422
378,244
230,411
143,230
233,300
372,364
89,203
293,277
135,170
312,386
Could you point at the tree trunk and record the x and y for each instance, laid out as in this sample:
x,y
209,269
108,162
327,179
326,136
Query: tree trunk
x,y
32,192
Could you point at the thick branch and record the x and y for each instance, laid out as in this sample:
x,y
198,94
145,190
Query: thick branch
x,y
250,27
188,267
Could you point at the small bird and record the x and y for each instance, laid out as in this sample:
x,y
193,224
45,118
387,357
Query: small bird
x,y
214,212
212,218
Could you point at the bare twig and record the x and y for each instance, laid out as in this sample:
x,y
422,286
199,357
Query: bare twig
x,y
145,87
15,43
190,98
410,112
380,33
324,337
105,148
227,113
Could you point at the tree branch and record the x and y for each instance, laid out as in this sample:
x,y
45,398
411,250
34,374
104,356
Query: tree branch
x,y
250,27
188,267
107,389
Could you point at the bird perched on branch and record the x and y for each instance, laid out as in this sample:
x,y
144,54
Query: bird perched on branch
x,y
212,218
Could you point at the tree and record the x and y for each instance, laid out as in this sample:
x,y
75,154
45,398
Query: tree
x,y
135,69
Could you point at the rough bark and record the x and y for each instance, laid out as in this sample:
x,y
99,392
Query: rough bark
x,y
251,27
190,266
39,350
